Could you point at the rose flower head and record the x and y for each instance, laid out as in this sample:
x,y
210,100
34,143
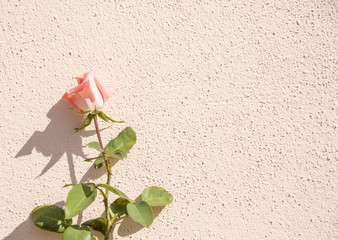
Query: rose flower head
x,y
89,95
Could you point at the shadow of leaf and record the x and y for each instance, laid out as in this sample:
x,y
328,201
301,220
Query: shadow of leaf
x,y
28,231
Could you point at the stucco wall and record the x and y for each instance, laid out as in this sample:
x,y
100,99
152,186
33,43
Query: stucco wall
x,y
234,104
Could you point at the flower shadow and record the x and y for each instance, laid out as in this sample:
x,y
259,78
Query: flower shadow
x,y
57,139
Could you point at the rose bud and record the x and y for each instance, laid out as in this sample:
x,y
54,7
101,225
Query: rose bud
x,y
89,95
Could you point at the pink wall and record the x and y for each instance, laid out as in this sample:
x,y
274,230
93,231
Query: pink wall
x,y
233,102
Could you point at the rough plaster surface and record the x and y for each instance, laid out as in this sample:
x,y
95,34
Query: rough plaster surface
x,y
234,104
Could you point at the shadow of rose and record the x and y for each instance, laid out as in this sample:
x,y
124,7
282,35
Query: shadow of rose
x,y
58,138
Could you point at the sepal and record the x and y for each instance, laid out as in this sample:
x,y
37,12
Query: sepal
x,y
86,122
106,118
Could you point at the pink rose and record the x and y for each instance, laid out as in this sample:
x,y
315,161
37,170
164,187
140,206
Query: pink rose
x,y
89,94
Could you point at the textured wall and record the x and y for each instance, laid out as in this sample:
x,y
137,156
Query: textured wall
x,y
234,104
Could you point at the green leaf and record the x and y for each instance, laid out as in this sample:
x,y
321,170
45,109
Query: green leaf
x,y
86,122
76,232
98,224
78,199
116,191
50,218
119,146
73,184
106,118
90,159
98,162
141,213
156,196
119,207
95,238
95,145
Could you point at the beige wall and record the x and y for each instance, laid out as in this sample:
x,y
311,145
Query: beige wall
x,y
234,104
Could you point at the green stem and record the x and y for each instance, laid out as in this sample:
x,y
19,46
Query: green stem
x,y
108,173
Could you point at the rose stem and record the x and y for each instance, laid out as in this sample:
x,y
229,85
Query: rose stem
x,y
101,145
108,172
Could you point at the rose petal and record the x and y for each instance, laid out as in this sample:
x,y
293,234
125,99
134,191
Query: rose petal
x,y
95,94
81,79
102,88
